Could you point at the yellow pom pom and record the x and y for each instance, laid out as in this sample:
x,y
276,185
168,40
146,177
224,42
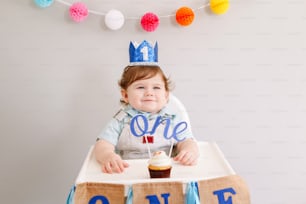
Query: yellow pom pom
x,y
219,6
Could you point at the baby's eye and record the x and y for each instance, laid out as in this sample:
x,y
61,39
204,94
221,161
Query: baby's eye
x,y
140,87
156,87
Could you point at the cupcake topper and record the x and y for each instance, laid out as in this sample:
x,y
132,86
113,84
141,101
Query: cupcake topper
x,y
144,53
139,127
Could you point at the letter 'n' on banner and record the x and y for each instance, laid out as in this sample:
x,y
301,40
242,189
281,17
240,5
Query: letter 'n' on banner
x,y
158,193
99,193
224,190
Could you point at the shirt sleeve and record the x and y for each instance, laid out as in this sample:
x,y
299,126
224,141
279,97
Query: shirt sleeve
x,y
111,131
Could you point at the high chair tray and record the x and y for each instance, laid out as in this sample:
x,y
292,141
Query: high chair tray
x,y
211,164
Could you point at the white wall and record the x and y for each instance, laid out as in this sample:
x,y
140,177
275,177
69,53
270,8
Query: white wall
x,y
241,76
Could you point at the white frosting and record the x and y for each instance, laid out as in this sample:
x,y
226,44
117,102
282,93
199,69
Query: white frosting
x,y
160,158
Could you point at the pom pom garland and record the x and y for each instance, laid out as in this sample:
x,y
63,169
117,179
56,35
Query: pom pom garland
x,y
184,16
43,3
114,19
219,6
149,22
78,12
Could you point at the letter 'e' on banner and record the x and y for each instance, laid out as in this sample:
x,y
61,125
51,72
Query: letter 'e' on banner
x,y
93,193
225,190
158,192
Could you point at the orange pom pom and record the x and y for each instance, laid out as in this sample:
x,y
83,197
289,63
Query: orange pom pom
x,y
184,16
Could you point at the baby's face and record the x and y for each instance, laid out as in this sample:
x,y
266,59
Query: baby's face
x,y
148,95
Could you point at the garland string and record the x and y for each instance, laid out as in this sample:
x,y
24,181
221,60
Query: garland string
x,y
129,17
114,19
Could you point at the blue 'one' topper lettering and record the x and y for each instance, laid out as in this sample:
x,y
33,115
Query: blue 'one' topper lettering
x,y
140,127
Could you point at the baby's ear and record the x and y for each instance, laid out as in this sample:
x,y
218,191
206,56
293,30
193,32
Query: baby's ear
x,y
124,95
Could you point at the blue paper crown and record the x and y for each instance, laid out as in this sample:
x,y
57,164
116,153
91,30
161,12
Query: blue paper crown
x,y
143,54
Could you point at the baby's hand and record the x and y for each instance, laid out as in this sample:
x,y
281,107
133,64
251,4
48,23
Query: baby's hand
x,y
113,164
188,152
186,157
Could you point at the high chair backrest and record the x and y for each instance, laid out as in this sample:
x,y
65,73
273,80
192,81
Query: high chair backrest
x,y
177,105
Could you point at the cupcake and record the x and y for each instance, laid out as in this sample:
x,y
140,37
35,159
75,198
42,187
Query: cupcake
x,y
160,165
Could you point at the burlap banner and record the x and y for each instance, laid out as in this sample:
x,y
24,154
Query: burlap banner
x,y
155,193
93,193
224,190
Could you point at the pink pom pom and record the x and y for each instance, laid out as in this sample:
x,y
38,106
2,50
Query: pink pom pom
x,y
78,12
149,22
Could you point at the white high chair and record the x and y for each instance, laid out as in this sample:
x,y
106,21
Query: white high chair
x,y
176,105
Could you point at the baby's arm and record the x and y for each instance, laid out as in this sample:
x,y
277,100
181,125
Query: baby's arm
x,y
110,161
188,152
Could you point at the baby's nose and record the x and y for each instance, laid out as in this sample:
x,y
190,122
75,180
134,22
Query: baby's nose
x,y
149,92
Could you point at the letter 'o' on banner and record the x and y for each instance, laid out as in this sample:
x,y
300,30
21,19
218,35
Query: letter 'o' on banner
x,y
97,193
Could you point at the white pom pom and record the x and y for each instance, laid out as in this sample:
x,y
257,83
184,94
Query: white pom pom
x,y
114,19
